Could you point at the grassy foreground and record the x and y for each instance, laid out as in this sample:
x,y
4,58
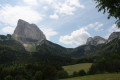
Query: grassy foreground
x,y
71,68
114,76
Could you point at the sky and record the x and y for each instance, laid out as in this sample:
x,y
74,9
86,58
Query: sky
x,y
66,22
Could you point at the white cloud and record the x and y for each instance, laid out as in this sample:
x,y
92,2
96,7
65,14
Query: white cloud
x,y
8,30
31,2
49,1
67,7
75,3
54,16
77,37
98,27
10,14
45,7
49,32
114,28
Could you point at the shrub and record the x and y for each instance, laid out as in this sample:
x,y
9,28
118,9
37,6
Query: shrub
x,y
82,73
62,74
75,74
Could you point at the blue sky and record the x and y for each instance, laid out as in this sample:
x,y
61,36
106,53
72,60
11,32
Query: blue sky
x,y
65,22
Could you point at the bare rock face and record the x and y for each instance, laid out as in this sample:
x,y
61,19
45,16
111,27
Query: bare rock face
x,y
95,41
89,40
113,36
28,34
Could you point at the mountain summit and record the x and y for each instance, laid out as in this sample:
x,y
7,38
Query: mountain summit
x,y
28,34
95,41
113,36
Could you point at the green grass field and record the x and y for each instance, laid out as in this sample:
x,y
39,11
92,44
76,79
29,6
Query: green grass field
x,y
71,68
114,76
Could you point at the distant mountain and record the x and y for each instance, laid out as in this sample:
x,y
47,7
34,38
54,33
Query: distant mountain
x,y
113,36
28,34
98,47
113,47
96,40
90,47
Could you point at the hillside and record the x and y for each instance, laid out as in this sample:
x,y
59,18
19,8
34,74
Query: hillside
x,y
10,42
49,47
11,50
84,50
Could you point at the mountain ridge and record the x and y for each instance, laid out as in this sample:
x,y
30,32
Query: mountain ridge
x,y
34,37
45,46
46,50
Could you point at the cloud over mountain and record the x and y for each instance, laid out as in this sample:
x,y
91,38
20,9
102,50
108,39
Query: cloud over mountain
x,y
81,35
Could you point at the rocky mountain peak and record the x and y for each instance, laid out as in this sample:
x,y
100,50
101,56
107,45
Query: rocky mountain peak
x,y
113,36
28,34
95,40
89,39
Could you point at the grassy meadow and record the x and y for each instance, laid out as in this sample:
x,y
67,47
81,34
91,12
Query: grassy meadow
x,y
113,76
71,68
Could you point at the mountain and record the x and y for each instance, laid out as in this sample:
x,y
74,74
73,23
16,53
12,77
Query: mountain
x,y
95,41
98,47
12,51
33,39
113,47
28,34
90,47
113,36
29,37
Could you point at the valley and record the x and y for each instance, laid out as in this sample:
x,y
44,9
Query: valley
x,y
59,40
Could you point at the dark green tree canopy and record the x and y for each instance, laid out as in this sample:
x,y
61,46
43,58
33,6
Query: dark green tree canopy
x,y
110,6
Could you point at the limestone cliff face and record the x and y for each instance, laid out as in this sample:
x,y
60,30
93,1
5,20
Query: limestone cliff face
x,y
28,34
113,36
95,41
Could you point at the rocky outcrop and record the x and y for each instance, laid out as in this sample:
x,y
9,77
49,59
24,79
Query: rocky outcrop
x,y
95,41
113,36
28,34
